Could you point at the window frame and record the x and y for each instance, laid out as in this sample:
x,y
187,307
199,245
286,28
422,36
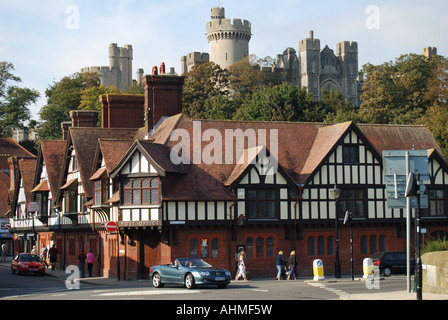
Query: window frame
x,y
141,191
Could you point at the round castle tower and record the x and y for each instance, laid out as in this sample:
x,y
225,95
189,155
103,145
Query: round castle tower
x,y
228,40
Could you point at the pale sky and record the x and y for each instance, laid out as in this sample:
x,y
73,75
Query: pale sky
x,y
49,39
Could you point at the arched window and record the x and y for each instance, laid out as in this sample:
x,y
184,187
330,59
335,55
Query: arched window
x,y
194,248
269,247
364,249
249,247
330,245
215,248
204,248
260,247
311,246
382,243
373,246
321,246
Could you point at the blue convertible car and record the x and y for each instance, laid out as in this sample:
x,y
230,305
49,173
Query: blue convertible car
x,y
189,272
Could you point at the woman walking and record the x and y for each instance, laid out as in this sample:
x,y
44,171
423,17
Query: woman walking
x,y
241,266
292,265
279,262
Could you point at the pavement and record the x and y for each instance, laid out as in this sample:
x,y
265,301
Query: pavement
x,y
372,296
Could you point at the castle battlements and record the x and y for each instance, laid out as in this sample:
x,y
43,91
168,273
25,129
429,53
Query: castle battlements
x,y
346,47
309,43
226,25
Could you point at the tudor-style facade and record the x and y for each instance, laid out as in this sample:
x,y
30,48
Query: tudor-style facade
x,y
211,209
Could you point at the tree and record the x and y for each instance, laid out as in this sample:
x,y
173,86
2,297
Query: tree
x,y
284,102
396,92
336,109
203,82
63,97
14,100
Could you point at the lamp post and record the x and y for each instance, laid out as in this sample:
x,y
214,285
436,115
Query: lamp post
x,y
335,193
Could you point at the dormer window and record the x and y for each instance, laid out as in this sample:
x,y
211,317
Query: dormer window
x,y
141,191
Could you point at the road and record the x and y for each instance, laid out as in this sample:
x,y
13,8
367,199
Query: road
x,y
15,287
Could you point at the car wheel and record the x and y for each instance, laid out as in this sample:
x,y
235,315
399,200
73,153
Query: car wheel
x,y
387,271
12,270
157,280
189,281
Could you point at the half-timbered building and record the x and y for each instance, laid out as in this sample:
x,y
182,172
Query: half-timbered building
x,y
206,188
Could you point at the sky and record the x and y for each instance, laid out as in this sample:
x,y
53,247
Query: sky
x,y
46,40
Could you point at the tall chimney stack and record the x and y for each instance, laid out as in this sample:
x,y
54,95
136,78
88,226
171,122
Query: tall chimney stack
x,y
163,98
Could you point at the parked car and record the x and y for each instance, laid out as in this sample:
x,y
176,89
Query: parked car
x,y
391,263
189,272
27,263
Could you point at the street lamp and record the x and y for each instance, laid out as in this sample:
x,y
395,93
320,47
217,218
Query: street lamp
x,y
335,193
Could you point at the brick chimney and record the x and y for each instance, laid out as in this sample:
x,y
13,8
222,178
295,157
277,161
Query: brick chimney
x,y
64,127
84,118
163,98
122,111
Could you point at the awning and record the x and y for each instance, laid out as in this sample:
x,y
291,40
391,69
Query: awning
x,y
41,187
98,174
69,184
115,198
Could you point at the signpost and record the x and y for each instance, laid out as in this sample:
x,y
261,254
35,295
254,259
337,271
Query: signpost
x,y
111,226
398,166
33,206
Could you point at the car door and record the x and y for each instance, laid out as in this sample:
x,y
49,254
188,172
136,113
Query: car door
x,y
401,262
172,273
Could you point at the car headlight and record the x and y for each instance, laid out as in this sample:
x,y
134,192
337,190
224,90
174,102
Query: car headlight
x,y
204,273
228,274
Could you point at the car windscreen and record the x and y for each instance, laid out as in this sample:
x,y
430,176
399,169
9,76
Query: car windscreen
x,y
193,263
29,258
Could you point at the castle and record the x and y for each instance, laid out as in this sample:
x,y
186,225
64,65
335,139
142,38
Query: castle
x,y
119,71
313,68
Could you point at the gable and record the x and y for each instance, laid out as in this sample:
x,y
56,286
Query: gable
x,y
137,163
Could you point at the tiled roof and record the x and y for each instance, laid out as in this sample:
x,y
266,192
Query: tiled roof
x,y
53,155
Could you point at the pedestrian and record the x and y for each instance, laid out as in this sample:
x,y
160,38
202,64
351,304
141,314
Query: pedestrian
x,y
53,253
43,254
34,250
4,251
242,266
292,265
279,262
90,260
81,262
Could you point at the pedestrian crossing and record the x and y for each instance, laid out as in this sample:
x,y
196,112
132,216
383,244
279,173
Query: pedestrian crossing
x,y
325,287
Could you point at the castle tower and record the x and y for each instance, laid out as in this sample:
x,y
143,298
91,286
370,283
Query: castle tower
x,y
310,64
429,52
347,52
228,40
119,71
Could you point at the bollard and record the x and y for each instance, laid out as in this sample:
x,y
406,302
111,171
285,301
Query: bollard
x,y
367,267
318,268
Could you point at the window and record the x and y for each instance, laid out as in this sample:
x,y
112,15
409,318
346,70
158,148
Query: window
x,y
261,204
141,191
101,191
194,248
353,201
436,204
71,200
382,243
204,248
42,200
311,246
269,247
250,247
320,246
330,245
350,154
373,246
215,248
364,245
260,247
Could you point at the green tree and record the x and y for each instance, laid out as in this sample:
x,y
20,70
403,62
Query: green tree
x,y
337,110
62,97
203,82
284,102
14,100
396,92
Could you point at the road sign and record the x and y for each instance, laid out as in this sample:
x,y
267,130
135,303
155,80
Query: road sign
x,y
111,226
33,206
397,165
